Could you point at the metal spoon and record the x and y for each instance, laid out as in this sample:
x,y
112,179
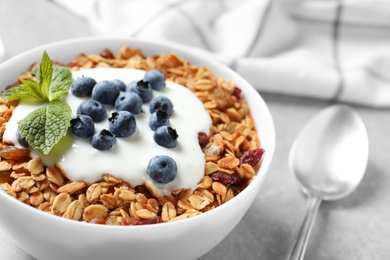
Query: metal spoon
x,y
328,158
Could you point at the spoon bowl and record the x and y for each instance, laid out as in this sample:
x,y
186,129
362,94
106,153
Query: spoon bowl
x,y
329,155
328,158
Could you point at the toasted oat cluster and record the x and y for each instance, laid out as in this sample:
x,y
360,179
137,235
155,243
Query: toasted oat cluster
x,y
232,155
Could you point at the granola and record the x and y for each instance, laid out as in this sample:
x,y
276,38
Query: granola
x,y
231,150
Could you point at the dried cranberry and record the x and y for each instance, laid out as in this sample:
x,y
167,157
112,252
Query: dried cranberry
x,y
203,139
252,157
227,179
236,92
146,221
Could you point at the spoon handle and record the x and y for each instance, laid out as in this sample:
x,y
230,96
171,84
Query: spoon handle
x,y
300,245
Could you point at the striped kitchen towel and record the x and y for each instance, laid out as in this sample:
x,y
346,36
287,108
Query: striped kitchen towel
x,y
329,49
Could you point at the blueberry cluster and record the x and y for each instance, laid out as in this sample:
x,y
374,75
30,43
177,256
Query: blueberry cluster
x,y
127,101
161,108
121,123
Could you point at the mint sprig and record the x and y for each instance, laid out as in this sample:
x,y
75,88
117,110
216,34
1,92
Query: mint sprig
x,y
47,125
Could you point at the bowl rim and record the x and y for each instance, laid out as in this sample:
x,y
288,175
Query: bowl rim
x,y
189,53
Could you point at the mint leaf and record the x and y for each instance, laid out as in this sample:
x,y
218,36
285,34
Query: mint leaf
x,y
32,87
60,82
27,92
46,126
46,70
17,93
50,83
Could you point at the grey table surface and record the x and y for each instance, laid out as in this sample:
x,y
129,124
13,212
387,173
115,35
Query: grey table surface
x,y
356,227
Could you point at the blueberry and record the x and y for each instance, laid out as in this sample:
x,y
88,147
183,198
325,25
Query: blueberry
x,y
129,101
82,86
105,92
82,126
156,79
142,88
120,84
162,169
103,140
122,123
22,141
158,119
131,86
161,103
92,108
166,136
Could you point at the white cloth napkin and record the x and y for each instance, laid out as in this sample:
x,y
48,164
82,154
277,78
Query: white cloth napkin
x,y
334,49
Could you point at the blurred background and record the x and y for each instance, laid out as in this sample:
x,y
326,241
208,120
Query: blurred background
x,y
301,55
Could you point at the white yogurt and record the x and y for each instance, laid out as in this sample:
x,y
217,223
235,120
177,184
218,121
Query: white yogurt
x,y
129,158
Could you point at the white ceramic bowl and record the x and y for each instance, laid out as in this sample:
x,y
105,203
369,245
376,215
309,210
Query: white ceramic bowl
x,y
50,237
